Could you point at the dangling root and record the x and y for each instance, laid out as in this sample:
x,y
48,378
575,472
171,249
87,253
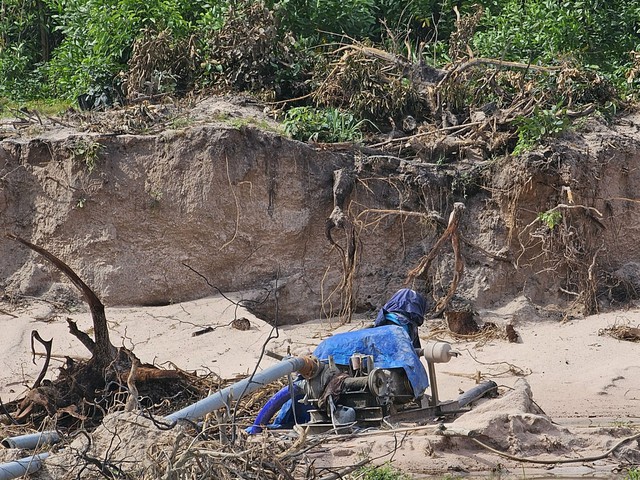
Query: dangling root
x,y
342,187
452,233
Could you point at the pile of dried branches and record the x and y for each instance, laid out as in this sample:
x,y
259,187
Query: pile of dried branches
x,y
159,65
439,114
266,456
245,54
137,118
622,332
129,445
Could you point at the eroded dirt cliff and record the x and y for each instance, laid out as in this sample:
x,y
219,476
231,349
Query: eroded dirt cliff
x,y
247,209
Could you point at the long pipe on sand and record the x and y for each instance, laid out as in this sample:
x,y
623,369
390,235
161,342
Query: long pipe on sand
x,y
31,440
305,365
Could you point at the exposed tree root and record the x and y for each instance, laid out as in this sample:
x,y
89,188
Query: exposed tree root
x,y
343,183
422,268
85,389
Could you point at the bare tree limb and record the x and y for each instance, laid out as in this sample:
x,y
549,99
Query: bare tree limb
x,y
425,262
82,336
103,351
47,346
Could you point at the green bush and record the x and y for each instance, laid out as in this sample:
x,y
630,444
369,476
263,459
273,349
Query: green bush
x,y
98,36
358,19
17,77
67,47
322,125
308,17
383,472
25,43
541,124
633,474
551,218
548,31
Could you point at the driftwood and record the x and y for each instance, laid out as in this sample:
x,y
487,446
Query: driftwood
x,y
422,268
82,384
47,346
102,350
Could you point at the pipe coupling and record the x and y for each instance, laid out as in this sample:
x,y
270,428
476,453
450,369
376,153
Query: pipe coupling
x,y
310,368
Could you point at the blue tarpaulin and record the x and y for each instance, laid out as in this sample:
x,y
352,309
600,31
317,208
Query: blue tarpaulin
x,y
406,308
390,346
407,302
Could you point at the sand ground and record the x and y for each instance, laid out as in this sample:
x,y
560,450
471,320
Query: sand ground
x,y
587,384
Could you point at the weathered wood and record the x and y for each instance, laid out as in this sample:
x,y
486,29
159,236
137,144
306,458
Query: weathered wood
x,y
83,388
451,232
47,346
103,351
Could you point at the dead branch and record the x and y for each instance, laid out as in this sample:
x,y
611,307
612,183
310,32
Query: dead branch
x,y
454,219
147,374
495,256
346,470
622,332
104,351
343,183
435,132
85,339
431,216
452,233
61,357
6,413
133,402
47,346
457,274
499,63
4,312
79,391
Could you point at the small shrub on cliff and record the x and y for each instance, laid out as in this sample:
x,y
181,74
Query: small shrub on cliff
x,y
88,151
551,218
541,124
322,125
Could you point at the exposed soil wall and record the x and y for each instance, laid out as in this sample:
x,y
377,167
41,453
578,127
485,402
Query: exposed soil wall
x,y
237,205
590,177
247,210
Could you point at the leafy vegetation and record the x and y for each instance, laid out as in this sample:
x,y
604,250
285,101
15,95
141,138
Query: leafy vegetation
x,y
541,124
372,59
88,151
322,125
551,218
383,472
633,474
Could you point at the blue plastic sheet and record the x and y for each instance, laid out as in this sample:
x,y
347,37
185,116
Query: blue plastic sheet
x,y
390,346
407,302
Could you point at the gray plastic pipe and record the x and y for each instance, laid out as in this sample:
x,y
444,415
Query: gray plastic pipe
x,y
476,392
31,440
248,385
22,467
